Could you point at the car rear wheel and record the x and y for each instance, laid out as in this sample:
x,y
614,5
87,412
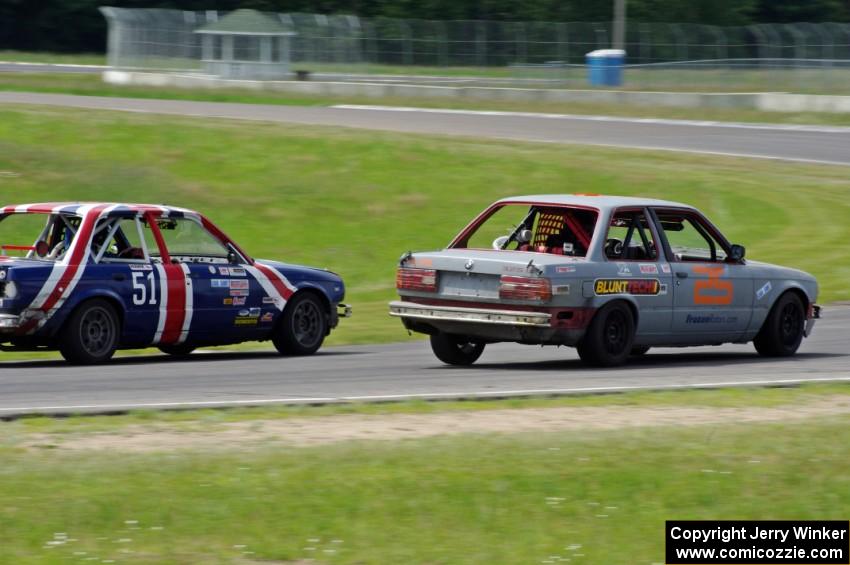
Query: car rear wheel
x,y
303,326
609,338
182,350
456,350
90,335
782,332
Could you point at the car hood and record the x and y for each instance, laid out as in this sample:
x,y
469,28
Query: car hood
x,y
768,270
297,273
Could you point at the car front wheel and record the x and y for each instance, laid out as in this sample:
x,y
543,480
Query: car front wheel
x,y
90,335
609,337
303,326
782,332
455,350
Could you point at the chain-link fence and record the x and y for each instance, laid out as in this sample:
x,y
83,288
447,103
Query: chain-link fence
x,y
798,57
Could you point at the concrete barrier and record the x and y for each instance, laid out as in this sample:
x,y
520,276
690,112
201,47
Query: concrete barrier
x,y
764,101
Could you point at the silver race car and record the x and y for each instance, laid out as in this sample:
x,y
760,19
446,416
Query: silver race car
x,y
610,276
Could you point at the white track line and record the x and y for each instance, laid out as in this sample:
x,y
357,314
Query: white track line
x,y
394,397
70,65
593,118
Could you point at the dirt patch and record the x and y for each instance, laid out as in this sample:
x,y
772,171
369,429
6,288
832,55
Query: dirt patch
x,y
332,429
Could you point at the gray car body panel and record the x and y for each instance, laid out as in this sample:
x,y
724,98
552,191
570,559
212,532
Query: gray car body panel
x,y
471,277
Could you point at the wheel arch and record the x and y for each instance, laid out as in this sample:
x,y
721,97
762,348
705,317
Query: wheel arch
x,y
68,309
793,289
628,301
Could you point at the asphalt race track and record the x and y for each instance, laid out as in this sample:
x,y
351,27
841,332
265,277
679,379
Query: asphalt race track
x,y
818,144
392,372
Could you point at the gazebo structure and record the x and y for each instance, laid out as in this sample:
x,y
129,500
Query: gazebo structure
x,y
246,44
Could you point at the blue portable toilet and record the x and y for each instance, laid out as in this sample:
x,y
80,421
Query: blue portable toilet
x,y
605,67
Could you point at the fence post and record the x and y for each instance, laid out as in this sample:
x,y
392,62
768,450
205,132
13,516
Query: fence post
x,y
442,44
521,42
481,43
563,43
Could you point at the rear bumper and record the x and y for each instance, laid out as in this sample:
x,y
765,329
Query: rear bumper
x,y
484,324
413,311
814,315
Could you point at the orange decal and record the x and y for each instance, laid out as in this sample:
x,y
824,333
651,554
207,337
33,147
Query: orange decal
x,y
713,291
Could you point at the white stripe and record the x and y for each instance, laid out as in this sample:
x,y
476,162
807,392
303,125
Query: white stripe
x,y
189,310
280,277
425,395
593,118
268,287
163,303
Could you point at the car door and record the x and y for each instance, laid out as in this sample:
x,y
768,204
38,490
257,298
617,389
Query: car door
x,y
632,250
712,296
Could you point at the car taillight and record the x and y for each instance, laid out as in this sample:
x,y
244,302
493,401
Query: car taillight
x,y
424,280
524,288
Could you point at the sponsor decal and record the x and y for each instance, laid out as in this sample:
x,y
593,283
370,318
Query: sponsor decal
x,y
565,269
648,269
268,300
241,284
223,271
220,283
212,269
764,290
239,300
245,322
604,287
238,293
141,267
663,290
237,272
562,289
228,302
267,318
513,269
710,319
244,313
623,270
422,263
713,291
3,275
254,312
1,303
665,268
568,249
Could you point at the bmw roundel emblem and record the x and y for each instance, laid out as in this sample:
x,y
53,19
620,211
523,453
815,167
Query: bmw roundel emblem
x,y
469,264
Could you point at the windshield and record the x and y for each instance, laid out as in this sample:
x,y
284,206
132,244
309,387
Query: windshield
x,y
559,230
43,237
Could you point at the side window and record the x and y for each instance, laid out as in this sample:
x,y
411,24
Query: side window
x,y
187,238
689,239
630,238
117,240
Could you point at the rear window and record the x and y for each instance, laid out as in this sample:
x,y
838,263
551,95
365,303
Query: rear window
x,y
559,230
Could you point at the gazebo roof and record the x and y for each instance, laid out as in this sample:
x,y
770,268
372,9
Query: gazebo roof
x,y
245,22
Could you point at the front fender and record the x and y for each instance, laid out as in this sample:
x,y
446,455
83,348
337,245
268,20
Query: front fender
x,y
768,292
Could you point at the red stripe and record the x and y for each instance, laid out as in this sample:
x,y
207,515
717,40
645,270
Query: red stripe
x,y
271,274
83,240
175,314
578,230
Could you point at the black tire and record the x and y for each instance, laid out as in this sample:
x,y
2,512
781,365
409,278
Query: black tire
x,y
90,336
639,350
456,350
181,350
609,338
782,332
303,326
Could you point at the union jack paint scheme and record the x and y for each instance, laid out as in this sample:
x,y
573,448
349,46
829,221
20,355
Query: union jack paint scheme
x,y
610,276
99,277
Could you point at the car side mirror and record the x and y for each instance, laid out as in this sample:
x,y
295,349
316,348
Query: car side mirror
x,y
232,258
737,252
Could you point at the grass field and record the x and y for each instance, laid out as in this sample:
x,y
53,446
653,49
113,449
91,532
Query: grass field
x,y
92,85
590,497
354,201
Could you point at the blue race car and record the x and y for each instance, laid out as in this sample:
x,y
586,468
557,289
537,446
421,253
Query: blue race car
x,y
101,277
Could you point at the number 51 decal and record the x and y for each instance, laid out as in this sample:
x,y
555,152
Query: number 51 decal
x,y
140,288
713,291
